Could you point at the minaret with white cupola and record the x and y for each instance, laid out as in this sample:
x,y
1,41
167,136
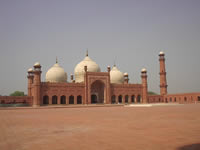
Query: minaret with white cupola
x,y
163,79
37,84
144,86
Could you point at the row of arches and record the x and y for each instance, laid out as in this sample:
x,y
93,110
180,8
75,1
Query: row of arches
x,y
178,99
182,99
155,100
126,99
71,99
63,100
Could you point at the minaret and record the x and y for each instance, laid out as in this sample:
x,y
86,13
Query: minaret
x,y
87,99
163,80
30,81
126,79
72,78
37,83
144,86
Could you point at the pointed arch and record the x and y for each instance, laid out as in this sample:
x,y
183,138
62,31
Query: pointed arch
x,y
63,99
79,99
46,100
54,99
126,98
71,99
133,99
139,99
113,99
120,98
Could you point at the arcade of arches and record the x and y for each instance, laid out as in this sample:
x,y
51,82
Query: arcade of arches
x,y
62,99
120,99
127,99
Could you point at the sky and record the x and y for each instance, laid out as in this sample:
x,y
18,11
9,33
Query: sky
x,y
128,32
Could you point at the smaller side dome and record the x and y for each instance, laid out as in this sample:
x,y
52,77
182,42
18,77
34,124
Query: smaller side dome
x,y
116,76
56,74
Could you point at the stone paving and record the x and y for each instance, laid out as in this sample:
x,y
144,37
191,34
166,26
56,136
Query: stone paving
x,y
169,127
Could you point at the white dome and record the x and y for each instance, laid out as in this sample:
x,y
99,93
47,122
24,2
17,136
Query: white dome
x,y
79,69
116,76
56,74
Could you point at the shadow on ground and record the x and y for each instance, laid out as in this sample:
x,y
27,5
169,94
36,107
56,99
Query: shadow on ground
x,y
190,147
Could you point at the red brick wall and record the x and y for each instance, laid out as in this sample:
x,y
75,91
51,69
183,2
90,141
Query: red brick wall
x,y
176,98
62,89
183,97
16,100
132,92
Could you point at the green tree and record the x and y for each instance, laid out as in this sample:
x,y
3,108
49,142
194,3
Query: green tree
x,y
152,93
17,93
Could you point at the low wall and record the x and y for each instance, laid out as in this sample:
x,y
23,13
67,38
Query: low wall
x,y
155,99
16,100
177,98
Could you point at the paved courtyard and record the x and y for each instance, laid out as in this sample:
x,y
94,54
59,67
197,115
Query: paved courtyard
x,y
101,128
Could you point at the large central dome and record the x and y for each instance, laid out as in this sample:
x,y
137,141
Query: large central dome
x,y
79,69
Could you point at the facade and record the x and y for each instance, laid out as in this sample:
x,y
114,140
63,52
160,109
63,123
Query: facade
x,y
91,86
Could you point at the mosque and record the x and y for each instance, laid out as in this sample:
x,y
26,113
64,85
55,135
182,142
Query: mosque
x,y
91,86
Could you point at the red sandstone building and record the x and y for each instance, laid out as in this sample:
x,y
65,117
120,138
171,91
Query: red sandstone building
x,y
92,86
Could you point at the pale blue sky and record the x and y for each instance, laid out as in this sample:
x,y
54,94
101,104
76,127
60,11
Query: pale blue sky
x,y
132,32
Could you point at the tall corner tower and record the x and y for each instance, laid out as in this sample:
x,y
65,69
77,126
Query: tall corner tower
x,y
30,81
163,79
144,86
36,84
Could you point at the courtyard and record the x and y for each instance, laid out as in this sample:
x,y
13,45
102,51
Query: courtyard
x,y
173,127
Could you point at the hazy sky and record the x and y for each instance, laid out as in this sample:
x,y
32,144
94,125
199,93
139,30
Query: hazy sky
x,y
132,32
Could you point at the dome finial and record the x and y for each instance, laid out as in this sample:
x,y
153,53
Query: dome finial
x,y
114,63
87,52
56,60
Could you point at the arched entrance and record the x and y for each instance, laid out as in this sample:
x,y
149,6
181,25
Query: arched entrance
x,y
126,99
93,99
198,98
71,99
120,98
54,99
139,99
79,99
133,98
45,100
97,92
63,99
113,101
